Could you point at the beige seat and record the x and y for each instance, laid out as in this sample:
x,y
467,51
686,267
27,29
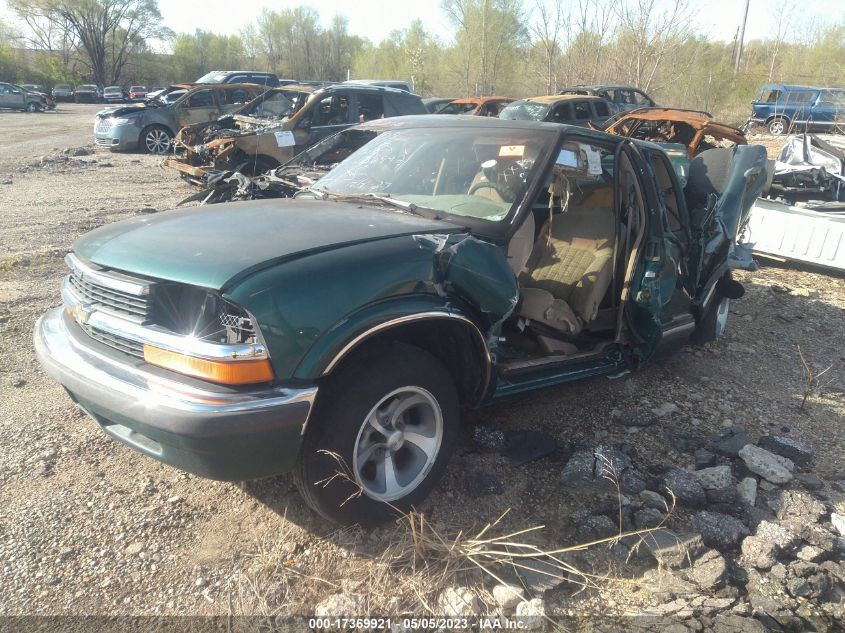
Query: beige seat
x,y
570,267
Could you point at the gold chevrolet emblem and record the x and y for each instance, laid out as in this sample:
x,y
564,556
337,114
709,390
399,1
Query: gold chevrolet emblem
x,y
81,313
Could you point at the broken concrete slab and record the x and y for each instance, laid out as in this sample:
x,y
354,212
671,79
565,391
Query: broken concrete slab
x,y
771,467
675,550
709,571
746,490
799,452
719,530
686,487
714,477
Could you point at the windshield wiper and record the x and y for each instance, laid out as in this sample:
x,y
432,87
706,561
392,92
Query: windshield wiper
x,y
410,207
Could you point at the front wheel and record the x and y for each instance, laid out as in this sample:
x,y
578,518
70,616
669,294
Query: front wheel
x,y
382,432
156,139
778,126
32,107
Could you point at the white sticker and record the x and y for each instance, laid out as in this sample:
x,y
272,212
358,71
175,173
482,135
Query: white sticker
x,y
285,139
593,160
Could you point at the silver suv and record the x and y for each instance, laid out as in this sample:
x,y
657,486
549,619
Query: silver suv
x,y
16,97
151,126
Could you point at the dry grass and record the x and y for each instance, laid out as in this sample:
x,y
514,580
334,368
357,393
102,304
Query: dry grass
x,y
403,568
811,378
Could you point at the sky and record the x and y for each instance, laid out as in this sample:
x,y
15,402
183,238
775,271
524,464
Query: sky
x,y
374,19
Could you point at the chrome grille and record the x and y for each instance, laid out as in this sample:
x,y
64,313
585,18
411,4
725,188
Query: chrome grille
x,y
139,308
120,343
103,125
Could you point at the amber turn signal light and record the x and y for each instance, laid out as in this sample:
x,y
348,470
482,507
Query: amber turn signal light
x,y
237,372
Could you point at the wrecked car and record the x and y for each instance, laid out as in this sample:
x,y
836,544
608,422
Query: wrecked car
x,y
18,98
622,97
802,216
478,106
275,127
298,174
151,125
692,128
569,109
446,264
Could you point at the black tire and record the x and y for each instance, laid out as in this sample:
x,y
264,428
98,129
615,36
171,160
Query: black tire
x,y
339,424
33,107
712,324
152,138
778,126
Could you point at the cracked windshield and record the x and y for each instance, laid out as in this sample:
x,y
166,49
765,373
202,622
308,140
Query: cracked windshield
x,y
478,174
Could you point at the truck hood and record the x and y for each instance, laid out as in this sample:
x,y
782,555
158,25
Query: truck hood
x,y
215,246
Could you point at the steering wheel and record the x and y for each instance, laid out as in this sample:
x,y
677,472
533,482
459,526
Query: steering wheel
x,y
504,192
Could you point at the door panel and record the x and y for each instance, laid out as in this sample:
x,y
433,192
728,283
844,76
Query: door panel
x,y
662,288
198,107
333,113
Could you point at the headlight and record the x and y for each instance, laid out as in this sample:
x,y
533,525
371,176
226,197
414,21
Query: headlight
x,y
221,341
121,121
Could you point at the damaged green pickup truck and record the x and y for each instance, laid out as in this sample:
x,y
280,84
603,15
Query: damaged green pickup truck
x,y
445,264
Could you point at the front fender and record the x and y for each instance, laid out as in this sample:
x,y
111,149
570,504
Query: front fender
x,y
347,334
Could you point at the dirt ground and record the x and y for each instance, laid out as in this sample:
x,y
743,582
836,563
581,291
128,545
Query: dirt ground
x,y
87,526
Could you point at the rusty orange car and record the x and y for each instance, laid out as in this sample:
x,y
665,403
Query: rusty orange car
x,y
479,106
693,128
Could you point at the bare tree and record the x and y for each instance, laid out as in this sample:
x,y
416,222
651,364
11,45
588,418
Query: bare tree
x,y
648,36
107,30
783,10
546,29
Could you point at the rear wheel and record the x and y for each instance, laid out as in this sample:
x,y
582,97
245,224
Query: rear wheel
x,y
778,126
381,435
156,139
714,322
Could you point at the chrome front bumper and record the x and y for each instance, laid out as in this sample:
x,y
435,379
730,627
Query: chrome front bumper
x,y
213,431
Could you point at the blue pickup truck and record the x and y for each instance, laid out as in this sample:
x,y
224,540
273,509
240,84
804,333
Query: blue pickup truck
x,y
782,108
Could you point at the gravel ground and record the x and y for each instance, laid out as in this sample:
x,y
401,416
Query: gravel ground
x,y
87,526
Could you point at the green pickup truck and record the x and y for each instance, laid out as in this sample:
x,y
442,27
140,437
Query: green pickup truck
x,y
449,262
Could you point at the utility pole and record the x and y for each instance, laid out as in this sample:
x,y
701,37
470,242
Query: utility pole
x,y
741,38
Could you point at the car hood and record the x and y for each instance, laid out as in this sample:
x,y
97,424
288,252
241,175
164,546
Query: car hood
x,y
121,110
216,246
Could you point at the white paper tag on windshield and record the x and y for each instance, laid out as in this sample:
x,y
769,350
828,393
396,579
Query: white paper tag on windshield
x,y
284,139
593,160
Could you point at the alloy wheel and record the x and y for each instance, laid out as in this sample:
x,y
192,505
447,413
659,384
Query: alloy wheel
x,y
776,127
722,316
157,141
398,443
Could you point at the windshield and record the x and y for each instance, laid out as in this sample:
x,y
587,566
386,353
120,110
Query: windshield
x,y
113,89
87,87
276,104
214,77
457,108
525,111
478,173
171,96
63,87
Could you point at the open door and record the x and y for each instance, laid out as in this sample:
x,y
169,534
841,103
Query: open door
x,y
659,303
